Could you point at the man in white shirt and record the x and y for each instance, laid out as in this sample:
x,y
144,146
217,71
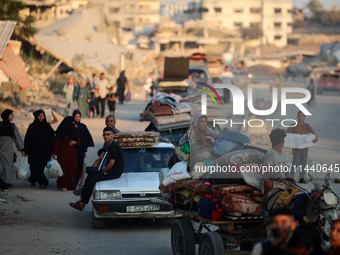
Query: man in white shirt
x,y
275,158
225,78
102,90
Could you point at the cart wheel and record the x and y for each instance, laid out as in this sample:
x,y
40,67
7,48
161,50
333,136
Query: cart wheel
x,y
211,244
182,238
97,223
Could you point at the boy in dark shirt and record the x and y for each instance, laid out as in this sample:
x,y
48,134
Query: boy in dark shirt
x,y
111,101
91,104
113,169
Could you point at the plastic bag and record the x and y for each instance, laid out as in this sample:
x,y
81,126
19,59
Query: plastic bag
x,y
127,97
185,147
176,173
162,173
53,169
22,170
48,113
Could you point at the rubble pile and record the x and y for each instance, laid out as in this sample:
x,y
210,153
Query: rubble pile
x,y
5,198
83,44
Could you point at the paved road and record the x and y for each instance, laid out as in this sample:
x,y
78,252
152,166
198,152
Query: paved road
x,y
48,225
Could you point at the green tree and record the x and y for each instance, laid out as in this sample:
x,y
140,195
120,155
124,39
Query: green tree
x,y
330,17
314,6
10,10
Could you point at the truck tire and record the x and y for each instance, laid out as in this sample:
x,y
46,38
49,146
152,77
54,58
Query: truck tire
x,y
182,238
211,243
97,223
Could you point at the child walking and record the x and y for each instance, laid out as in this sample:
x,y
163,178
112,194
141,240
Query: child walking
x,y
91,104
111,100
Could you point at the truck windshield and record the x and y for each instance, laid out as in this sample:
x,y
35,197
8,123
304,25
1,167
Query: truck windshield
x,y
146,159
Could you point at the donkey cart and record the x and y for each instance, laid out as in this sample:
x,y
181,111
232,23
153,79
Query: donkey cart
x,y
236,235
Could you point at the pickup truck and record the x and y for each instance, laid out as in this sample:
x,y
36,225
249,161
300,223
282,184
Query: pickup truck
x,y
135,194
176,86
175,78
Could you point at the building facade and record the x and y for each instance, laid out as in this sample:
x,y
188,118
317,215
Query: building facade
x,y
127,14
48,9
171,8
274,17
181,11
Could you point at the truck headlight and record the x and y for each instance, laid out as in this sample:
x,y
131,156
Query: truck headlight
x,y
107,195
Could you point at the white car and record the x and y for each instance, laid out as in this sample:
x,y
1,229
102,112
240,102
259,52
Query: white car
x,y
135,194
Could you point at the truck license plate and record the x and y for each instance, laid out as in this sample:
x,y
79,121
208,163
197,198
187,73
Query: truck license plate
x,y
142,208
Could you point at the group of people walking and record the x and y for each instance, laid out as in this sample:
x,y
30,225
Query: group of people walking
x,y
89,95
69,144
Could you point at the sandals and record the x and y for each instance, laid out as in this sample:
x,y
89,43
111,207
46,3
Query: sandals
x,y
78,205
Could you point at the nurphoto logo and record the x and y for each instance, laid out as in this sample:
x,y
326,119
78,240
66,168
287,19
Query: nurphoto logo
x,y
239,99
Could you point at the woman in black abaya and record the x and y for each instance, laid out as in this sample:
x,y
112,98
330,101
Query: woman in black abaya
x,y
39,141
85,142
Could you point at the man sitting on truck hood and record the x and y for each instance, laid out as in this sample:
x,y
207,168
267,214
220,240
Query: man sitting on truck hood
x,y
113,169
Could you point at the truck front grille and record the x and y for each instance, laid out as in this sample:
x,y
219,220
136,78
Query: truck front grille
x,y
140,195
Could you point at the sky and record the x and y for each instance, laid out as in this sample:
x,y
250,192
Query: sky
x,y
326,3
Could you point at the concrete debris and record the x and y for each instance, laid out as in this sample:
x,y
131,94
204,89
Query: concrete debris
x,y
329,55
5,197
127,37
81,34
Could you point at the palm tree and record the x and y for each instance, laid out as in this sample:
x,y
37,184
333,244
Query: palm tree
x,y
10,10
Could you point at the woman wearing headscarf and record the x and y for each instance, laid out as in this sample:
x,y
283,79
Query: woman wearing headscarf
x,y
39,141
199,134
85,142
8,134
82,97
68,90
65,148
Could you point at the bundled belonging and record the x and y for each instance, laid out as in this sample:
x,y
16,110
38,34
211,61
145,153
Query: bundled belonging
x,y
137,139
177,172
236,199
212,200
166,109
240,157
232,198
241,204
